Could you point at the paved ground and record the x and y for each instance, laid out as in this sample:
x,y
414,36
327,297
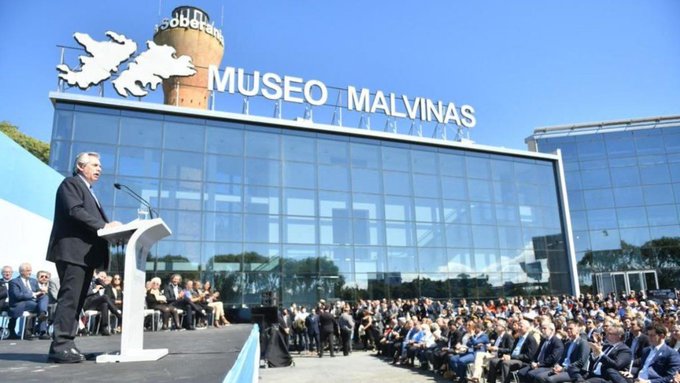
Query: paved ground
x,y
359,366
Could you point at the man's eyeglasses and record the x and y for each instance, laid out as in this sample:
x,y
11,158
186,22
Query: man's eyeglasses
x,y
44,276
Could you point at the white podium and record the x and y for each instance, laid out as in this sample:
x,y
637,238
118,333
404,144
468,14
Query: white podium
x,y
139,235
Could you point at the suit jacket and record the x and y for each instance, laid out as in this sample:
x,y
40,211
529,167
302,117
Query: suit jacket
x,y
580,356
617,357
527,352
643,342
169,293
4,290
505,347
77,217
554,348
326,322
666,363
18,292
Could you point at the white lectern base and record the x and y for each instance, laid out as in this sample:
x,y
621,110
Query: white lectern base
x,y
134,356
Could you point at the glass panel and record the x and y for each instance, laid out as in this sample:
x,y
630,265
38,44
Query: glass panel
x,y
224,169
458,235
662,215
183,195
635,281
261,144
333,178
433,260
401,259
478,167
620,147
456,211
632,217
366,180
224,198
139,162
625,176
630,196
333,152
598,198
335,231
368,206
222,140
299,202
262,200
595,178
365,156
140,132
454,188
261,257
425,186
261,228
452,165
658,194
636,237
602,218
368,232
399,208
654,174
94,127
183,165
460,261
263,172
427,210
480,190
338,258
184,136
399,233
296,174
299,230
484,236
147,188
398,183
223,227
396,159
296,148
334,204
483,213
423,161
63,125
607,239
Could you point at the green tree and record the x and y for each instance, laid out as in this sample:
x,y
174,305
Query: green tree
x,y
39,149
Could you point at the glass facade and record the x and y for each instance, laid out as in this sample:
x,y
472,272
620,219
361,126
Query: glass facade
x,y
624,198
318,214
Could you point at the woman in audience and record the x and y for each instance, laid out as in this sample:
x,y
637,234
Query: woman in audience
x,y
213,299
155,300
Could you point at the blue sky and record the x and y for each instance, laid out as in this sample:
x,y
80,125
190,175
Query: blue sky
x,y
520,64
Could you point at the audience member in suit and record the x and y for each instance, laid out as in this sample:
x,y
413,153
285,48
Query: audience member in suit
x,y
660,363
327,326
608,358
574,358
4,298
97,300
346,324
592,330
312,325
674,340
549,353
523,352
4,288
155,300
478,342
77,250
501,344
25,295
174,295
441,355
637,342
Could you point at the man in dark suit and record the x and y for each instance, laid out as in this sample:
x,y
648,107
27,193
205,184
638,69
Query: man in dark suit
x,y
174,295
523,352
77,250
4,297
327,326
637,342
26,295
659,362
312,325
549,353
574,358
608,358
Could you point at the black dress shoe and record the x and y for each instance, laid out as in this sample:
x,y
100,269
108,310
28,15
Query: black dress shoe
x,y
65,357
106,332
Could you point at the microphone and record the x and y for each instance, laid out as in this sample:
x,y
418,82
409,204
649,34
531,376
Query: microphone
x,y
136,197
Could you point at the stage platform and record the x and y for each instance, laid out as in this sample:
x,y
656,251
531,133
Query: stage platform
x,y
194,356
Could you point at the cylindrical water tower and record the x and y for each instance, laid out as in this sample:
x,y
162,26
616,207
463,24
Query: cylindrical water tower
x,y
190,32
